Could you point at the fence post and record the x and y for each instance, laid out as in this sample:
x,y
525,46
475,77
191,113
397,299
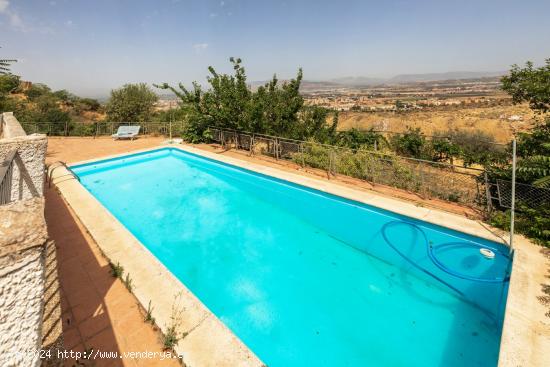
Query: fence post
x,y
513,204
303,155
422,181
276,148
66,128
251,145
488,193
367,169
330,162
375,145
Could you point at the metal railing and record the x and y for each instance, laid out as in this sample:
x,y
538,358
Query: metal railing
x,y
526,195
439,180
94,129
6,176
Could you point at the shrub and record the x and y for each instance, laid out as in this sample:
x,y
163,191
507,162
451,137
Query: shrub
x,y
171,338
532,222
149,314
116,270
131,103
412,143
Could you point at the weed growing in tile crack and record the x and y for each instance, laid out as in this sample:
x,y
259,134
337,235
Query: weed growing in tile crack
x,y
128,282
171,337
116,269
149,314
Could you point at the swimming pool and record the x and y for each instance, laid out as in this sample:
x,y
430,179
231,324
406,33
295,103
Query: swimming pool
x,y
304,277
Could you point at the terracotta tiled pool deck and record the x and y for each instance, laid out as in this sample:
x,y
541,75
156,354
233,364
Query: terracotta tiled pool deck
x,y
98,311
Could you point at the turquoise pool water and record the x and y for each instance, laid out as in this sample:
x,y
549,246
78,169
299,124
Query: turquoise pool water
x,y
305,278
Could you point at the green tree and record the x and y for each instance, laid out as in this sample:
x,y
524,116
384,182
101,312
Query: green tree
x,y
65,96
274,108
87,104
47,110
529,84
476,147
533,150
411,143
532,85
5,65
356,139
37,90
131,103
8,83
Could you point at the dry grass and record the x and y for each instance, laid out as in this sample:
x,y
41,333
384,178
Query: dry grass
x,y
487,119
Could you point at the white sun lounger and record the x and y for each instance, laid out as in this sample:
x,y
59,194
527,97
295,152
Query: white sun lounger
x,y
126,132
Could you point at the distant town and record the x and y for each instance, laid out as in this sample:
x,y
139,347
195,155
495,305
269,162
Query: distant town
x,y
411,96
461,93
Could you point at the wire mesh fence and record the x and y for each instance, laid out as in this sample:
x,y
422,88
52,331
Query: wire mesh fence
x,y
99,128
468,186
526,195
460,184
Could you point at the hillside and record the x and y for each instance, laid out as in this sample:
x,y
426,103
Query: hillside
x,y
492,120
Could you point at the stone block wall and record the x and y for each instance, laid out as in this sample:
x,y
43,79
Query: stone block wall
x,y
28,172
30,313
9,126
23,238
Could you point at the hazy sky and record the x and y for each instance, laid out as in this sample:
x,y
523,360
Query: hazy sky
x,y
91,46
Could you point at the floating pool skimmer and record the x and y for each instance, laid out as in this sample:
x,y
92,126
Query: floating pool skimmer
x,y
487,253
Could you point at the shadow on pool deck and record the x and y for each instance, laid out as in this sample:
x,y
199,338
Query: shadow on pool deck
x,y
98,312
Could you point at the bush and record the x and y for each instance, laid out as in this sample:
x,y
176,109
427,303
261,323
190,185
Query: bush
x,y
37,90
411,144
532,222
314,155
81,129
477,147
8,83
131,103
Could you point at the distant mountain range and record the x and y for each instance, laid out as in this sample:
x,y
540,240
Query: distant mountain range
x,y
361,81
416,78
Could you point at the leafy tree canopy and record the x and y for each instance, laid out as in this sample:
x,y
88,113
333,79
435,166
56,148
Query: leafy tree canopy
x,y
37,90
131,103
529,84
411,143
274,108
533,149
356,139
8,83
5,65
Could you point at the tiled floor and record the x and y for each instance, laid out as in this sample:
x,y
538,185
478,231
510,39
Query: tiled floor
x,y
98,311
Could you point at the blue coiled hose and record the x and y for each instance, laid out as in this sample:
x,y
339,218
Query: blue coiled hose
x,y
409,260
465,276
437,262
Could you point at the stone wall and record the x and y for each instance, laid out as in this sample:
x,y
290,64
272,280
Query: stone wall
x,y
9,126
30,313
28,172
23,238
